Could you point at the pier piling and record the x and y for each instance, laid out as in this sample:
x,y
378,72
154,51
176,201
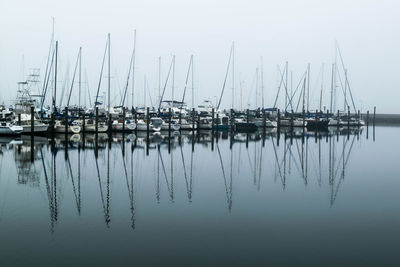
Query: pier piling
x,y
212,121
97,120
148,121
373,118
123,120
66,122
32,120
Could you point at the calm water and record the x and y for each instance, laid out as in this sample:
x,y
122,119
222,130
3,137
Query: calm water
x,y
188,201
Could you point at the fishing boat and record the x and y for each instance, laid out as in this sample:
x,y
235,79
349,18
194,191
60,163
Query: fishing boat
x,y
38,126
24,105
8,128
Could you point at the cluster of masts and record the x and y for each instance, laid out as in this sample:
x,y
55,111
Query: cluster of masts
x,y
31,116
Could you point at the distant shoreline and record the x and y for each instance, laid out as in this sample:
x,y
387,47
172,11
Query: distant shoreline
x,y
382,119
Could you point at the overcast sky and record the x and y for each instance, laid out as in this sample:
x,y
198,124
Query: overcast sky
x,y
299,32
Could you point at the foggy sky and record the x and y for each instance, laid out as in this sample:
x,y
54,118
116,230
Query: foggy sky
x,y
299,32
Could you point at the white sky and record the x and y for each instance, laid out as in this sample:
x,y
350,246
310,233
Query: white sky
x,y
299,32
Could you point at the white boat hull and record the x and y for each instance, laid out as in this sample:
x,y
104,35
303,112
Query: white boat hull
x,y
71,129
39,128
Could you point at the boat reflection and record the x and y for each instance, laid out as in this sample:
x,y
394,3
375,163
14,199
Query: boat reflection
x,y
171,159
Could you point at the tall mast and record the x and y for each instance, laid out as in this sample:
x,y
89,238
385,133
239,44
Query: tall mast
x,y
192,84
159,78
304,92
332,85
291,86
262,83
109,74
308,87
256,87
345,89
133,66
322,87
233,73
241,92
173,79
286,84
80,77
144,91
55,79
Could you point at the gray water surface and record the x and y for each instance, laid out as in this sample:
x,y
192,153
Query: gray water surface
x,y
247,200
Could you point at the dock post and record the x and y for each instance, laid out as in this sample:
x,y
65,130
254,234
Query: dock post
x,y
193,112
32,120
212,122
66,121
198,122
264,119
359,118
109,122
83,124
148,121
348,115
367,118
338,120
52,123
134,110
169,120
232,119
304,120
180,117
19,119
217,123
373,118
97,120
291,122
348,122
279,120
123,120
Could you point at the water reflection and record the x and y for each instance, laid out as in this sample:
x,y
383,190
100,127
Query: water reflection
x,y
169,161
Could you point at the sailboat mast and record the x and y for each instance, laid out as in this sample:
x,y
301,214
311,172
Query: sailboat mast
x,y
256,88
144,91
80,78
332,85
345,89
192,83
322,87
109,75
286,84
304,92
233,74
262,83
173,80
55,79
133,67
159,78
308,87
